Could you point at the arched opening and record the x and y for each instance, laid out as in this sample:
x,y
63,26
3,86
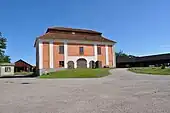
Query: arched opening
x,y
70,65
92,64
81,63
98,64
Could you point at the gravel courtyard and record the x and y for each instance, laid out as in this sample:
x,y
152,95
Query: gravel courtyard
x,y
121,92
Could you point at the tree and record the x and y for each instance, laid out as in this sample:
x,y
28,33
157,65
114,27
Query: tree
x,y
3,57
121,53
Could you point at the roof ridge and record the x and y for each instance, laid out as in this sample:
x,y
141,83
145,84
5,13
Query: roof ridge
x,y
74,29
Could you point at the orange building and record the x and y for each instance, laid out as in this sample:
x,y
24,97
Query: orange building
x,y
61,48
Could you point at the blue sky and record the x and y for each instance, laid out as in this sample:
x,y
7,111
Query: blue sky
x,y
140,27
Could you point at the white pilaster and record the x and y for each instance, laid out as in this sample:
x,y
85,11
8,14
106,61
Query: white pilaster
x,y
95,52
40,46
75,64
88,65
65,54
51,54
107,55
114,56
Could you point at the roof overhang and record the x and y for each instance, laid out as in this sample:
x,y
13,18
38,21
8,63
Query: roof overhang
x,y
73,41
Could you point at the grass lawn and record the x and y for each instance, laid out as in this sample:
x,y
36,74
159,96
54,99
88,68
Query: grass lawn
x,y
78,73
23,73
151,70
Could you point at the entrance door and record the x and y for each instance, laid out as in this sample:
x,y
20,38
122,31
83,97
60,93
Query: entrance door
x,y
81,63
70,65
98,64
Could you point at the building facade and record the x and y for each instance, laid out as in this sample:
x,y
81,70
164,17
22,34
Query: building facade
x,y
143,61
62,48
6,69
23,66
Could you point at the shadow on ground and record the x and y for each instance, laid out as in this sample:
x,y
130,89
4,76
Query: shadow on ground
x,y
21,76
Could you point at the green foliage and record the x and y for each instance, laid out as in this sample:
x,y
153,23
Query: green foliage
x,y
121,53
3,57
163,66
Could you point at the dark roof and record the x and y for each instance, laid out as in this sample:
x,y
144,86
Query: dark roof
x,y
72,30
67,34
25,63
126,59
75,37
154,57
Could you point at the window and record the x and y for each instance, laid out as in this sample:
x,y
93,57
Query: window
x,y
99,50
61,49
61,63
81,50
7,69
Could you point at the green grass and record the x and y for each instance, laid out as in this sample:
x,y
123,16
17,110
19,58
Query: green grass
x,y
23,73
151,70
78,73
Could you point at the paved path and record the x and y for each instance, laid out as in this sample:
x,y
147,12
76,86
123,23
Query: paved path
x,y
121,92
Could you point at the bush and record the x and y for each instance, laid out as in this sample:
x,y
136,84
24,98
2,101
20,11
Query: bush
x,y
163,66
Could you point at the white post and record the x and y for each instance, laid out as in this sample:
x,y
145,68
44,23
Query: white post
x,y
95,52
65,54
51,54
114,56
107,55
40,44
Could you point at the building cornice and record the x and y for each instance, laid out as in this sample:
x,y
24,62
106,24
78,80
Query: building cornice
x,y
75,41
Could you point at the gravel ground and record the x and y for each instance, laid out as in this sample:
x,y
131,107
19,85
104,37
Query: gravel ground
x,y
121,92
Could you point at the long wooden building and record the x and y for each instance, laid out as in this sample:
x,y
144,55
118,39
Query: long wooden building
x,y
144,61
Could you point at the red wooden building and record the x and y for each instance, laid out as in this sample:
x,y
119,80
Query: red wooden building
x,y
21,66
